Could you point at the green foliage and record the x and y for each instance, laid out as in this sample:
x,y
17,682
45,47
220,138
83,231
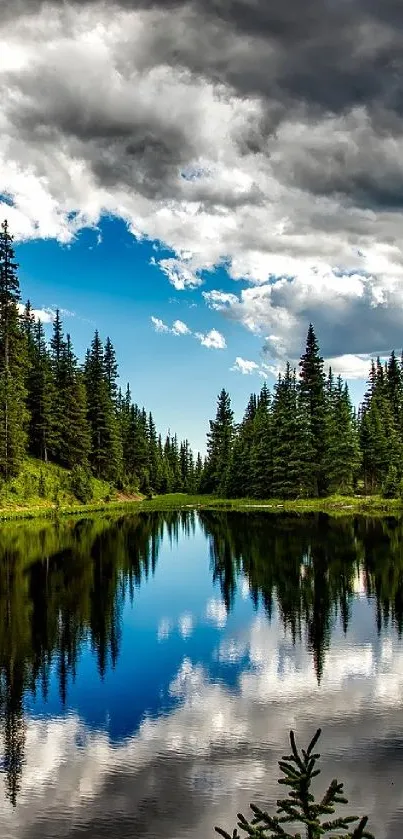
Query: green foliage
x,y
302,441
13,413
42,485
219,447
301,808
81,483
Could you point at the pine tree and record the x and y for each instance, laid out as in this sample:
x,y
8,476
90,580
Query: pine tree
x,y
262,448
342,455
57,354
394,385
111,369
292,440
13,413
301,807
41,399
219,446
312,389
106,449
239,481
75,442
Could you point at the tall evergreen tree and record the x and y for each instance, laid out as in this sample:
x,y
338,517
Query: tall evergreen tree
x,y
342,455
75,442
111,369
106,448
13,360
219,446
41,399
312,390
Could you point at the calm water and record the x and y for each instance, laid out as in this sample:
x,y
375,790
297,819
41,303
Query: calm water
x,y
151,667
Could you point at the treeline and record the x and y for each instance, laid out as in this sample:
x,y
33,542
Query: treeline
x,y
54,408
306,440
303,440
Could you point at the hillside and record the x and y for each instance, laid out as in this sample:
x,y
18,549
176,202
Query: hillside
x,y
46,485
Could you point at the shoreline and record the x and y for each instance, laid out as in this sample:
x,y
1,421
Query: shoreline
x,y
333,505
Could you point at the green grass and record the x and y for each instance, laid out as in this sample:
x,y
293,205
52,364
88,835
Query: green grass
x,y
334,504
21,499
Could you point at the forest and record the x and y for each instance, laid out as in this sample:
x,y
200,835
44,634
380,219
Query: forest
x,y
305,439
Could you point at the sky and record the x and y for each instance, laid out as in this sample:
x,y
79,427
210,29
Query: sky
x,y
199,180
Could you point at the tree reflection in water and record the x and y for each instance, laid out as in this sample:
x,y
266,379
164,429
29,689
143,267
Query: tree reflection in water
x,y
63,586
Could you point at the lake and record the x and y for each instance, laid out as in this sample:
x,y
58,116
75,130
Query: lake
x,y
152,665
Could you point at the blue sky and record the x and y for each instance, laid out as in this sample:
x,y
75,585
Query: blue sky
x,y
107,282
196,131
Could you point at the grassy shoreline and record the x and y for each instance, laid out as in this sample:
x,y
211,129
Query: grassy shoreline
x,y
334,505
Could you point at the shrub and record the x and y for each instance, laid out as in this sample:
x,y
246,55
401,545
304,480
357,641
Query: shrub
x,y
390,488
300,807
42,485
81,484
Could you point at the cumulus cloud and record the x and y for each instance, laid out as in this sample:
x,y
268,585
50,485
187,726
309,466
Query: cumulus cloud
x,y
213,340
242,365
261,138
159,325
180,328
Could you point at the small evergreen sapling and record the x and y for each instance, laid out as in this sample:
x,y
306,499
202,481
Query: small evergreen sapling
x,y
300,807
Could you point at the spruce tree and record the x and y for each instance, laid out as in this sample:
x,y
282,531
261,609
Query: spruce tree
x,y
291,436
342,454
41,399
106,448
57,355
301,810
13,360
219,446
262,447
111,369
312,390
75,441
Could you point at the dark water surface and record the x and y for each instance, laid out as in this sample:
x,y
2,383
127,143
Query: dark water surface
x,y
151,667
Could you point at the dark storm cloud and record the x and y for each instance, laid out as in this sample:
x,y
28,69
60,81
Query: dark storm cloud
x,y
303,61
331,55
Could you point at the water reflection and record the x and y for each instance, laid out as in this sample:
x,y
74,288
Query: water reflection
x,y
211,715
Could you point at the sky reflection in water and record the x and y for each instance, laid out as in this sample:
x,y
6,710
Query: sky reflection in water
x,y
151,668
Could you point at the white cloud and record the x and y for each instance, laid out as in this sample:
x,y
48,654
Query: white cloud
x,y
213,340
350,366
164,629
96,118
218,739
242,365
159,325
178,273
216,612
180,328
185,624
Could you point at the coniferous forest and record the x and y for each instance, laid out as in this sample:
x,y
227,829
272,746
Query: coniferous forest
x,y
303,440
